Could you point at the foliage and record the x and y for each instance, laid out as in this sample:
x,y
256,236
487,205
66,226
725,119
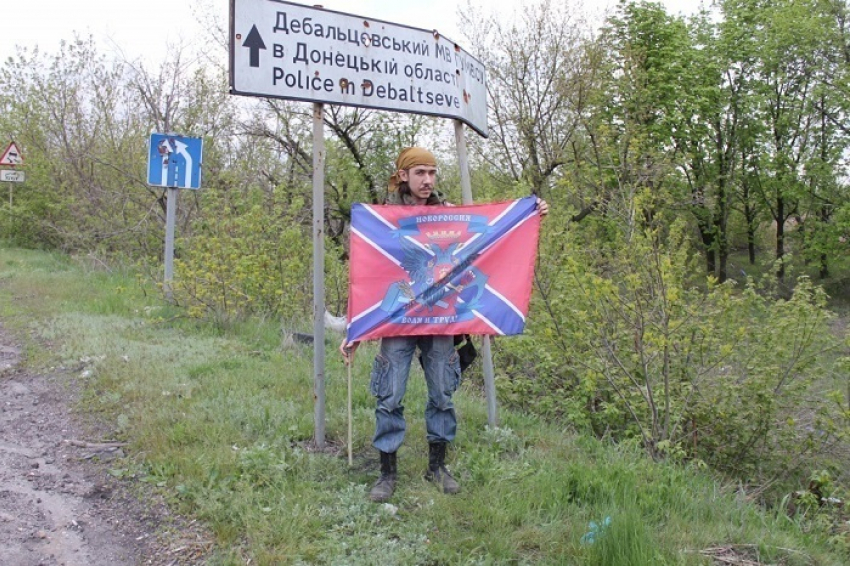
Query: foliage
x,y
71,114
656,139
220,423
626,344
540,68
245,258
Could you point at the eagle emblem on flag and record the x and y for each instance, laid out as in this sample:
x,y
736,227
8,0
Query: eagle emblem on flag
x,y
418,270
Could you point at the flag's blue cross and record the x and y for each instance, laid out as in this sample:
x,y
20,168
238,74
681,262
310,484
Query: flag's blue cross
x,y
405,301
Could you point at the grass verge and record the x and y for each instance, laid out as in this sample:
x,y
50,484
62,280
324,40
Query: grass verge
x,y
221,423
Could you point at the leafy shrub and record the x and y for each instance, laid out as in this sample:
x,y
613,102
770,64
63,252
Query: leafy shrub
x,y
243,259
624,343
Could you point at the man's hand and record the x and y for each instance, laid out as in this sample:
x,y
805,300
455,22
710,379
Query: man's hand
x,y
542,207
347,350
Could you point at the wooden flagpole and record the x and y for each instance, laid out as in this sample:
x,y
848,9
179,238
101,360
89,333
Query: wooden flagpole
x,y
350,418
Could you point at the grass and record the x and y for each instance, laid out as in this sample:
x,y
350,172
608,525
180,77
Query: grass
x,y
221,423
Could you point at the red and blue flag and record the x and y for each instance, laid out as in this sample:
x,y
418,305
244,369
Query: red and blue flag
x,y
419,270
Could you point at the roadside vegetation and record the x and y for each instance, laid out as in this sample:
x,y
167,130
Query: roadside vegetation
x,y
220,422
681,394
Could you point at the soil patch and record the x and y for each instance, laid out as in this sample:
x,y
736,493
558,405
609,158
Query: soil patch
x,y
59,506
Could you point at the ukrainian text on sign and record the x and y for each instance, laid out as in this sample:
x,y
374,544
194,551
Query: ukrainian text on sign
x,y
284,50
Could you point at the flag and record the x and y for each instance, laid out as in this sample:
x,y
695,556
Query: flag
x,y
419,270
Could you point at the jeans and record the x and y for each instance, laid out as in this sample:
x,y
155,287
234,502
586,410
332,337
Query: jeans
x,y
389,383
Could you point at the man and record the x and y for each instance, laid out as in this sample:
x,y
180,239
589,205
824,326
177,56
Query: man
x,y
413,184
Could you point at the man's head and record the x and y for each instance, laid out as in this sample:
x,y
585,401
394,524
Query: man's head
x,y
416,173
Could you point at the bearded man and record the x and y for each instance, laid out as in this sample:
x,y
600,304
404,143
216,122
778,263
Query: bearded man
x,y
414,184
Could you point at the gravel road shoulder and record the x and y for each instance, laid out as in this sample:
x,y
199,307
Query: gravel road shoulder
x,y
59,506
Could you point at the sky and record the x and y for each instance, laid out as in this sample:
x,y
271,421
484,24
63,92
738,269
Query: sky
x,y
147,30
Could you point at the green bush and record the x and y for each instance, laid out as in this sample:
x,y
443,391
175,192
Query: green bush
x,y
623,342
245,258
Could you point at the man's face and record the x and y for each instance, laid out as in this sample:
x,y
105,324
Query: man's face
x,y
421,180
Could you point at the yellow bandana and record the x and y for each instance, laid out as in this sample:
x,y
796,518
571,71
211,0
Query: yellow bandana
x,y
410,157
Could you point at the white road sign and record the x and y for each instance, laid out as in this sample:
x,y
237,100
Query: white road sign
x,y
11,176
284,50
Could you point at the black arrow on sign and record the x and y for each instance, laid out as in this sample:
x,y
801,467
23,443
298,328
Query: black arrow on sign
x,y
254,42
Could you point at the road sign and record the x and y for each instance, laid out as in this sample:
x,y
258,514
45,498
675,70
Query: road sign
x,y
284,50
11,176
174,161
12,155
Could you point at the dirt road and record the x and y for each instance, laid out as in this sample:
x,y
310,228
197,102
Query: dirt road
x,y
58,504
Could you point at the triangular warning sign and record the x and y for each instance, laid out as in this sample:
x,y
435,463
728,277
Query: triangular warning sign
x,y
12,155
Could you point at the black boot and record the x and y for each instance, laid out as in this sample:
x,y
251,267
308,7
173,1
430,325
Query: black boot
x,y
384,487
437,471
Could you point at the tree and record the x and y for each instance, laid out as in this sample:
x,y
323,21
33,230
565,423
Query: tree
x,y
84,144
539,78
672,100
786,66
825,165
360,152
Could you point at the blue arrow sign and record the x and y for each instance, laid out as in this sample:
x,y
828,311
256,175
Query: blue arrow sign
x,y
175,161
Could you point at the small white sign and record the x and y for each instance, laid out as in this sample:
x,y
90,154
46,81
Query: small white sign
x,y
11,176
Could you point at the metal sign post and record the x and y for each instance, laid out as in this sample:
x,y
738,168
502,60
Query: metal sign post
x,y
486,353
11,177
319,273
174,162
170,221
283,50
11,157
